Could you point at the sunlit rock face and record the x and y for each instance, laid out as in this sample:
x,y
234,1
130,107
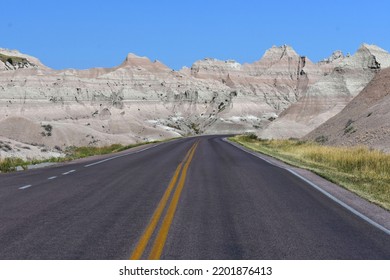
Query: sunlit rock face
x,y
330,94
283,94
364,121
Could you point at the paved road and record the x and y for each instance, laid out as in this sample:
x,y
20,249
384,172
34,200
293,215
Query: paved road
x,y
194,198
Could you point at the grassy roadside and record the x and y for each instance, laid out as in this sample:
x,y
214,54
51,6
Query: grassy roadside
x,y
71,153
358,169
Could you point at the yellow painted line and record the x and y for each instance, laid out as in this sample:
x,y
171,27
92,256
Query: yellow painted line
x,y
143,242
161,238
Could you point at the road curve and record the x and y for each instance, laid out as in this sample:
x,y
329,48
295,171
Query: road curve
x,y
193,198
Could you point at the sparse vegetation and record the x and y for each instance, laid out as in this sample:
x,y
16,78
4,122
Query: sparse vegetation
x,y
72,153
10,164
349,128
48,128
359,169
5,147
195,128
81,152
175,126
271,119
12,59
349,122
249,136
321,139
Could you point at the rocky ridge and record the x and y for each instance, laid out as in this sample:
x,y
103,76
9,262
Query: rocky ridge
x,y
261,90
13,60
330,94
142,100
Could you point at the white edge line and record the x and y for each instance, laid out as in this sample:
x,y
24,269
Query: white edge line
x,y
338,201
353,210
25,187
111,158
70,171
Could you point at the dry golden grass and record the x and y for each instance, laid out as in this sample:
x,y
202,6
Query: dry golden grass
x,y
359,169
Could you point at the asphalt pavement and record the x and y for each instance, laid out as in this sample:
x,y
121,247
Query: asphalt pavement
x,y
192,198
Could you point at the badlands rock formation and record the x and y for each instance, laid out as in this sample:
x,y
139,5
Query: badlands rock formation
x,y
364,121
12,60
261,90
140,100
329,95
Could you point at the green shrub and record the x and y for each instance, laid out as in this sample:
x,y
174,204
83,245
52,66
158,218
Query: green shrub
x,y
321,139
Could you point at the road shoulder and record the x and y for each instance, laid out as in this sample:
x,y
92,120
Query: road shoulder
x,y
367,209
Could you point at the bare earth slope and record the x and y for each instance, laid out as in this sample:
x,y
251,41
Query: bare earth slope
x,y
329,95
365,120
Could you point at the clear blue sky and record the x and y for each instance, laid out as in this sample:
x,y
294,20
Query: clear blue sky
x,y
83,34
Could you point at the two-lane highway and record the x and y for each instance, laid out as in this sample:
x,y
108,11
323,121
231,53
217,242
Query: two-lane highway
x,y
193,198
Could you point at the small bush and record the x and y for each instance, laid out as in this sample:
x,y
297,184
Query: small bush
x,y
10,164
48,128
321,139
195,128
250,136
349,129
349,122
12,59
5,147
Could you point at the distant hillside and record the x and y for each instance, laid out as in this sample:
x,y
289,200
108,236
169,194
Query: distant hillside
x,y
283,94
364,121
330,94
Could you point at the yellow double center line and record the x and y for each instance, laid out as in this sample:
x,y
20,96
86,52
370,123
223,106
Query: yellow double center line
x,y
162,235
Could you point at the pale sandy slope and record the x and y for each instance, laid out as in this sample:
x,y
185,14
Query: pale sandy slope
x,y
364,121
330,94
